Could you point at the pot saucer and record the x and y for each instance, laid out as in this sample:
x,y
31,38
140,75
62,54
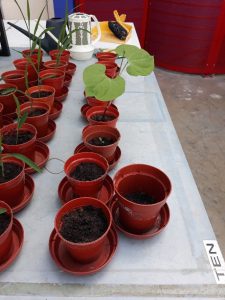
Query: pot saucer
x,y
161,222
41,155
17,243
28,194
68,79
6,121
56,110
61,96
68,264
84,110
71,68
66,193
50,132
82,148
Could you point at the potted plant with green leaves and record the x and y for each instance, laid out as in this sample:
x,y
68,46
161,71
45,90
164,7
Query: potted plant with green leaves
x,y
98,85
21,137
7,93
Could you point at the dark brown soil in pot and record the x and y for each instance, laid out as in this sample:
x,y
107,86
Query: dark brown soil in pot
x,y
84,224
36,112
86,171
102,118
4,222
11,137
140,198
11,170
40,94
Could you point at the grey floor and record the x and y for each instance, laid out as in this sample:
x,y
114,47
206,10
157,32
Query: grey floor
x,y
197,109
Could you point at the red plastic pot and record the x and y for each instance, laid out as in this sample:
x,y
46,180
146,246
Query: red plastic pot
x,y
99,110
32,54
6,236
111,68
83,252
139,218
64,56
39,88
16,77
8,100
25,65
94,131
56,82
52,64
27,148
92,101
106,56
12,191
86,188
39,122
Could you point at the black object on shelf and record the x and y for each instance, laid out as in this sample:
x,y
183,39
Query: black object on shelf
x,y
4,46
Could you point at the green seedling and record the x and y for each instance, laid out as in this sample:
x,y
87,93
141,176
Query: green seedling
x,y
2,210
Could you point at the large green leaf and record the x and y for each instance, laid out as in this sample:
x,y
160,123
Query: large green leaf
x,y
100,86
140,62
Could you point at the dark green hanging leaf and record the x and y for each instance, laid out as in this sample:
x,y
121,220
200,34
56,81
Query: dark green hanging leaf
x,y
7,91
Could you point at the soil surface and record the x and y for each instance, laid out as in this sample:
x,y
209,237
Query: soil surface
x,y
10,138
41,94
11,170
101,141
87,172
140,198
36,112
4,222
83,225
102,118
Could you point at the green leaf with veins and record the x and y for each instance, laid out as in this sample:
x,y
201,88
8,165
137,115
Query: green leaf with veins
x,y
100,86
140,62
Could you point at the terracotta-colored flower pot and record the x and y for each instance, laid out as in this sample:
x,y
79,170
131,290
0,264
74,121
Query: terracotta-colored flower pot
x,y
41,88
106,56
86,188
40,122
56,82
16,77
25,65
64,56
83,252
111,68
8,100
6,236
52,64
12,191
32,54
99,110
139,218
95,131
26,148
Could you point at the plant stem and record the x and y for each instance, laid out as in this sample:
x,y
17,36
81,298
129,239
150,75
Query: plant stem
x,y
107,106
124,67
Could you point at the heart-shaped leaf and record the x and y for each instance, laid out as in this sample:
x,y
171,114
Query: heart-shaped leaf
x,y
140,62
100,86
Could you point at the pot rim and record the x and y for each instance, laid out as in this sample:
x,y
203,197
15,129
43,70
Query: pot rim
x,y
87,243
54,62
87,154
92,127
19,162
41,87
8,85
13,126
144,173
25,107
61,74
11,72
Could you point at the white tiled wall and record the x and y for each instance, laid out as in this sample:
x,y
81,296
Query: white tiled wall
x,y
11,11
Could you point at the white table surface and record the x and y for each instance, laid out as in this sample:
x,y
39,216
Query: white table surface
x,y
171,264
